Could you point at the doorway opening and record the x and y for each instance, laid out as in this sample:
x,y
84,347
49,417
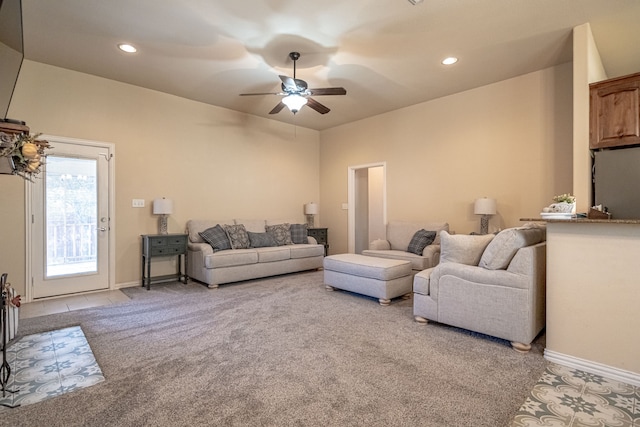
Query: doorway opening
x,y
367,217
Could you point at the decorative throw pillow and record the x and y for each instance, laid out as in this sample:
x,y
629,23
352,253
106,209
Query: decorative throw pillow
x,y
261,240
280,232
420,240
216,237
504,246
299,233
462,248
237,235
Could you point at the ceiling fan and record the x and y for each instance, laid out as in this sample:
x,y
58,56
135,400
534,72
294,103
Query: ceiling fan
x,y
297,94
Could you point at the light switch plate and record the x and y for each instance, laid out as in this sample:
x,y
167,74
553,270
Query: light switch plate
x,y
137,203
345,206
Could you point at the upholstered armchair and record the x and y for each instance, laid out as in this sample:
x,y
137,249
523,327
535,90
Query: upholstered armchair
x,y
490,284
416,242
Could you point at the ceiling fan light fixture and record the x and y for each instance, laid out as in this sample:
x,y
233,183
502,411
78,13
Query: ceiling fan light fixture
x,y
295,102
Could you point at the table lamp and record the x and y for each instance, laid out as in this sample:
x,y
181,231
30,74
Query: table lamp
x,y
485,207
162,207
310,209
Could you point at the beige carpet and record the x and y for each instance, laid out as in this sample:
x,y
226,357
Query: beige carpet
x,y
281,352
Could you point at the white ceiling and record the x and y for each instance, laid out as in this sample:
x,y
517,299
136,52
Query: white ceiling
x,y
385,53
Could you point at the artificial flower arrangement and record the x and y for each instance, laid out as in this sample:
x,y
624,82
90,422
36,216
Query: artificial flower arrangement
x,y
25,151
564,203
566,198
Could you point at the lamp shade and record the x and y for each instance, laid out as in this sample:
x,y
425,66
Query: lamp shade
x,y
311,209
485,206
163,206
294,102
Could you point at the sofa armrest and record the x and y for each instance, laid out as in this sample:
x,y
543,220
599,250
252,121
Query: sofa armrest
x,y
205,248
312,240
479,275
379,245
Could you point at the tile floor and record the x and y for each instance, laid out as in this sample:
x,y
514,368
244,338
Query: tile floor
x,y
70,303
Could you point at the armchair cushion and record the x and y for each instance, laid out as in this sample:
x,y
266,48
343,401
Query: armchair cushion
x,y
462,248
420,240
216,237
504,246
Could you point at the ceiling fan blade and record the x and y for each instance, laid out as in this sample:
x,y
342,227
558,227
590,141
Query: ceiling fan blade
x,y
312,103
277,108
263,93
329,91
288,84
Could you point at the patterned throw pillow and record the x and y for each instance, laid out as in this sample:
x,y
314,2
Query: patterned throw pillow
x,y
216,237
238,236
261,240
299,233
280,232
420,240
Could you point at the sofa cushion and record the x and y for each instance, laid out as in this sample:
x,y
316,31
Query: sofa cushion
x,y
278,253
231,258
299,233
504,246
237,235
399,233
216,237
280,232
420,240
306,251
195,226
261,240
462,248
253,225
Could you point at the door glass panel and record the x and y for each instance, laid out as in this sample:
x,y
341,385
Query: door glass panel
x,y
71,201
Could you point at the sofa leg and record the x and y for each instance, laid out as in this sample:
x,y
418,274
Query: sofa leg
x,y
407,296
420,320
384,301
520,347
329,288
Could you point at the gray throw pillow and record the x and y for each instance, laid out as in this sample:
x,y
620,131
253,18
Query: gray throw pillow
x,y
280,232
299,233
261,240
216,237
420,240
238,236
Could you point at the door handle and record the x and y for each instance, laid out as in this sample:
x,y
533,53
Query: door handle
x,y
102,229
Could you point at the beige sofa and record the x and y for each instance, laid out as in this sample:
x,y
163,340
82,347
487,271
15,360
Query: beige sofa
x,y
398,239
490,284
213,268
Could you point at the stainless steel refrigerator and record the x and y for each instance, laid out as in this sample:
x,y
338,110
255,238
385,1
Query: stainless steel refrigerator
x,y
617,181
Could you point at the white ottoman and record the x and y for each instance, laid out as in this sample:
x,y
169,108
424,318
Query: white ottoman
x,y
375,277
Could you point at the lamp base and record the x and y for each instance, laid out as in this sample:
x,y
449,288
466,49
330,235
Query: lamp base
x,y
484,224
310,221
162,225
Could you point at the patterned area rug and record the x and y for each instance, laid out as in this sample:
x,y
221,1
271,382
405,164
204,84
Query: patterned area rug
x,y
566,397
49,364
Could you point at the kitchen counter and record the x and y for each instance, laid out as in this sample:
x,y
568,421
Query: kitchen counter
x,y
593,295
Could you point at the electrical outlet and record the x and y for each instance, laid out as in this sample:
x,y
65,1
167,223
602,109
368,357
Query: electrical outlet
x,y
137,203
345,206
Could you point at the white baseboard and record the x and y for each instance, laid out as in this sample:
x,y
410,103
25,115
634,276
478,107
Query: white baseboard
x,y
127,284
621,375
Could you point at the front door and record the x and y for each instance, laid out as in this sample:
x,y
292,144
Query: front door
x,y
70,219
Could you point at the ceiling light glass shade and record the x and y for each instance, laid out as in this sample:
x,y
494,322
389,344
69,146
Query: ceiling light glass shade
x,y
127,48
449,61
294,102
485,206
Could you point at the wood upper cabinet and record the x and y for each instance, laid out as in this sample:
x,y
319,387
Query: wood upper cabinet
x,y
615,112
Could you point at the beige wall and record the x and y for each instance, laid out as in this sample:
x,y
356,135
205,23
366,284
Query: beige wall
x,y
511,140
214,163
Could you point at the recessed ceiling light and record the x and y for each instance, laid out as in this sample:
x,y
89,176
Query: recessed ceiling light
x,y
449,61
127,48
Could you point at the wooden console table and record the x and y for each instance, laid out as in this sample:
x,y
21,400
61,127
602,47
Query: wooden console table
x,y
163,245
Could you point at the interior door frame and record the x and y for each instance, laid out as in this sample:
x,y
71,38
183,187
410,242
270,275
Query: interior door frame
x,y
351,214
111,167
